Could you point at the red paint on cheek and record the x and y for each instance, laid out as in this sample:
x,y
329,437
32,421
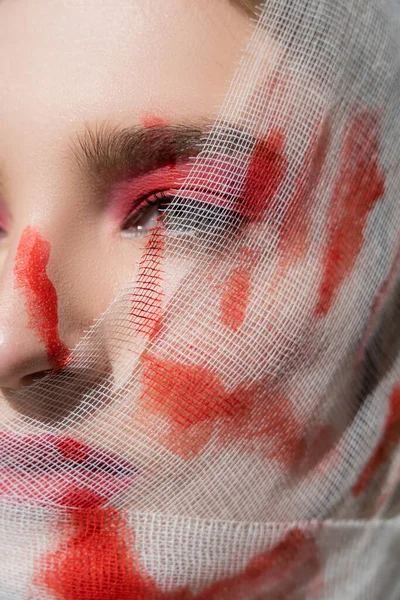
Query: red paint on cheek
x,y
359,186
148,294
389,442
236,292
31,261
266,172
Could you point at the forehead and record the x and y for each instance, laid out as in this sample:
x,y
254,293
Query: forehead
x,y
86,59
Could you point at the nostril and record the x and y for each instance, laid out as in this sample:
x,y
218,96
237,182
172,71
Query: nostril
x,y
33,377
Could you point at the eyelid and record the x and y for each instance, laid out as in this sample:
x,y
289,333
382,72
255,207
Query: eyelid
x,y
148,201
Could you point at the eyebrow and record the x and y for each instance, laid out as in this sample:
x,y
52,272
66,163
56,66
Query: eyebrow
x,y
113,152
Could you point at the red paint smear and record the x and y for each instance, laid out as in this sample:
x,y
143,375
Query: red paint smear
x,y
150,120
389,442
193,400
296,222
290,566
266,172
276,434
32,258
72,449
148,293
196,405
359,186
94,562
236,291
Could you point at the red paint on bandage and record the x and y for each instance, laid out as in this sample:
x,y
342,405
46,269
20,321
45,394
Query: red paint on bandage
x,y
275,574
31,261
93,560
196,406
72,449
277,434
389,442
360,184
296,221
193,400
266,172
236,291
148,294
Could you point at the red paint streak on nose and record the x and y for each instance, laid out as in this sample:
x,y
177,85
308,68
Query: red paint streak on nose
x,y
360,184
266,172
31,261
389,442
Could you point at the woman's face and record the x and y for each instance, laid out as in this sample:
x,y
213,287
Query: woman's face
x,y
102,104
85,89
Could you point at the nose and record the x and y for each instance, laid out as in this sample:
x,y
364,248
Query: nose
x,y
30,346
22,360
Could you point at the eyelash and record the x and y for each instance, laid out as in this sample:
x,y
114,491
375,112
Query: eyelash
x,y
190,216
156,200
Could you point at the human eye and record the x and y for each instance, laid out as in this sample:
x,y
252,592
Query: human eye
x,y
192,213
144,215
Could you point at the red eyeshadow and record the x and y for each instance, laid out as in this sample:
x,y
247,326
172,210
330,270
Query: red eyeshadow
x,y
127,195
31,261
